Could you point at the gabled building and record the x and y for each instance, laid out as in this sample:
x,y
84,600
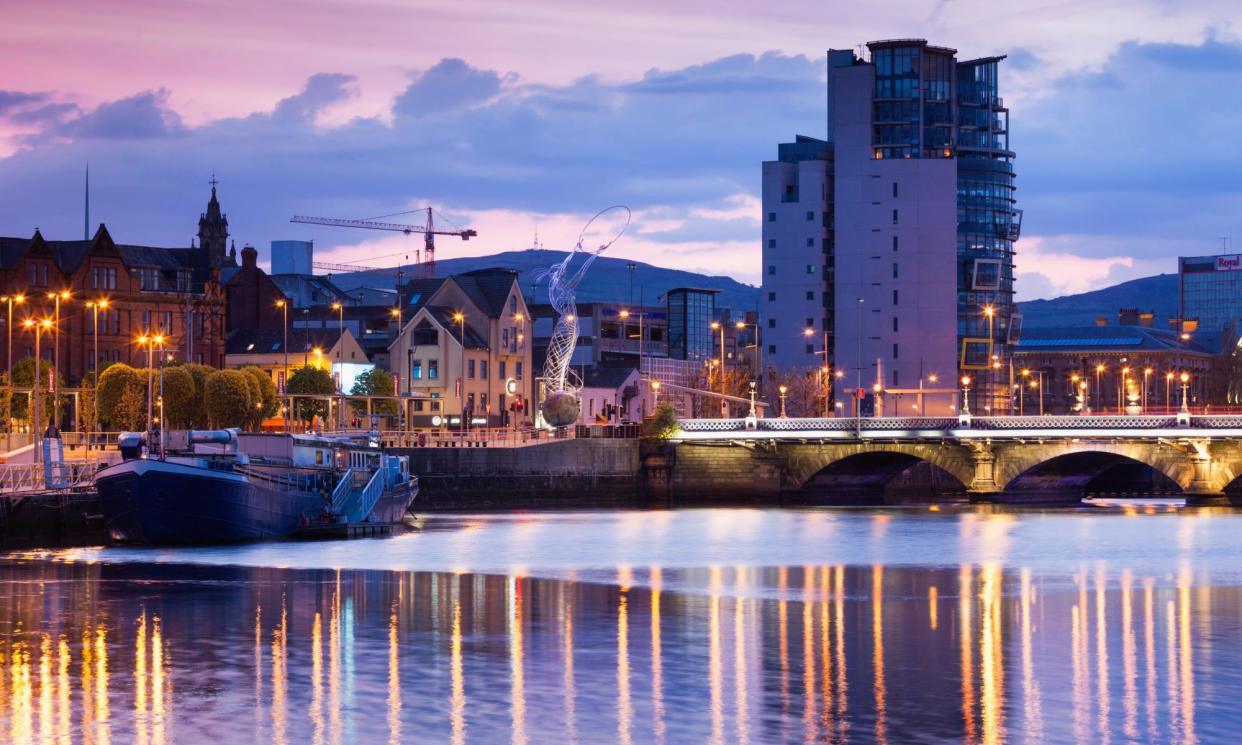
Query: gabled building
x,y
327,349
172,291
463,352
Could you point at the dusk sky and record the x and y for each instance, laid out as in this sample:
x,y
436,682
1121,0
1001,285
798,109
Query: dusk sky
x,y
509,117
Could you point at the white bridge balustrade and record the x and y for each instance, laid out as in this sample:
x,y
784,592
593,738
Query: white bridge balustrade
x,y
1224,425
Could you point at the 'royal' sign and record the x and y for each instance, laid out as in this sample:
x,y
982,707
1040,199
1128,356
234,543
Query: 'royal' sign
x,y
1229,263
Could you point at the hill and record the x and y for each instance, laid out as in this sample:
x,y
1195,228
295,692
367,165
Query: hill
x,y
1157,293
608,279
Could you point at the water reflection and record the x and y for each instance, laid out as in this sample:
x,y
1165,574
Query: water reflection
x,y
152,654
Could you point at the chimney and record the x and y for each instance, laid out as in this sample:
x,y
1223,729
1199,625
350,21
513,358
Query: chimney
x,y
250,258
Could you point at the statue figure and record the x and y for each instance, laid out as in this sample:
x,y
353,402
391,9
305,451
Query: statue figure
x,y
560,406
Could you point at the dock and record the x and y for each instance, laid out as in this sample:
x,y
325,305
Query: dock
x,y
336,531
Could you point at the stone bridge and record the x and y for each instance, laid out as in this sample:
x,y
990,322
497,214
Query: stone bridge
x,y
991,459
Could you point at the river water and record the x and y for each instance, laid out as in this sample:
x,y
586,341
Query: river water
x,y
1120,624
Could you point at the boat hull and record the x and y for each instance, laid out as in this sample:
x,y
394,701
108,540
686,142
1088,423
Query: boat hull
x,y
158,502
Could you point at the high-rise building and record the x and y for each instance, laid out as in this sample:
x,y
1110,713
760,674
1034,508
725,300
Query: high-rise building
x,y
912,195
1210,292
690,315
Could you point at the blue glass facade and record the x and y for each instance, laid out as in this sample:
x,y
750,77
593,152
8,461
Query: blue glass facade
x,y
690,316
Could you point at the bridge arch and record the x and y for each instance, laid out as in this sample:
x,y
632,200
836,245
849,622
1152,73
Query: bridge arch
x,y
1068,467
866,469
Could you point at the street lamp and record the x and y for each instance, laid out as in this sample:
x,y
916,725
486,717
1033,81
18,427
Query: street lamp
x,y
1074,388
40,327
783,390
57,297
1026,374
1099,391
1185,405
1146,374
718,326
1168,383
990,312
460,318
965,395
340,372
12,300
284,375
150,341
752,399
96,306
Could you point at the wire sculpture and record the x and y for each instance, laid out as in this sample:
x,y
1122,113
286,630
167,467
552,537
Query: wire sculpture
x,y
560,406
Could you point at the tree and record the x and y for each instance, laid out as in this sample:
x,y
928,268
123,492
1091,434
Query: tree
x,y
266,396
199,417
23,377
130,408
115,384
374,382
804,393
662,424
227,396
310,381
180,397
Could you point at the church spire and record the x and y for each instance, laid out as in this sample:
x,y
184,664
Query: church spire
x,y
213,229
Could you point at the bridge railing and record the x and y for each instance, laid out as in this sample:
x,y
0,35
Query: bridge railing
x,y
945,424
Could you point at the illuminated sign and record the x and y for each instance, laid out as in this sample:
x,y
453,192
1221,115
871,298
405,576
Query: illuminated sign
x,y
1229,263
437,420
511,386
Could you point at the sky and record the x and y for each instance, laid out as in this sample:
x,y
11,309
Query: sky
x,y
517,118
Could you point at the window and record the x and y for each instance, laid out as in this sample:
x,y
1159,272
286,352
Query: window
x,y
517,370
167,327
500,369
894,351
483,369
810,323
771,217
894,297
504,338
38,274
470,368
810,243
896,379
894,270
483,402
418,406
150,278
894,190
771,323
894,243
810,349
894,324
416,370
810,268
894,217
470,402
433,369
771,269
771,243
810,294
810,216
146,320
771,297
771,349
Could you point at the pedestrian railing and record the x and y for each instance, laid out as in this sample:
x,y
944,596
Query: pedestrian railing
x,y
26,478
946,424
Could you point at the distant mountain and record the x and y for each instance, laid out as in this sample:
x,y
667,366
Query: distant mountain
x,y
608,279
1157,294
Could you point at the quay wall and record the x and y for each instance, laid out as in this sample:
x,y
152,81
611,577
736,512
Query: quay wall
x,y
564,473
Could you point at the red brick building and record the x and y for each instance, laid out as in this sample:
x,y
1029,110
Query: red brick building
x,y
149,290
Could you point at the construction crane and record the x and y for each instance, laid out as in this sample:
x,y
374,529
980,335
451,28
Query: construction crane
x,y
428,259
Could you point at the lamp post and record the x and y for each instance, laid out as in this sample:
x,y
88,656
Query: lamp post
x,y
12,300
752,400
1036,385
460,318
1074,389
57,297
1099,390
150,342
284,374
1146,374
990,312
1185,378
340,372
741,326
965,395
1123,389
826,379
1026,374
931,379
96,306
1168,384
783,390
718,326
39,327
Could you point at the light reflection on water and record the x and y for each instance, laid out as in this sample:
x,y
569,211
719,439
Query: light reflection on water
x,y
981,651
